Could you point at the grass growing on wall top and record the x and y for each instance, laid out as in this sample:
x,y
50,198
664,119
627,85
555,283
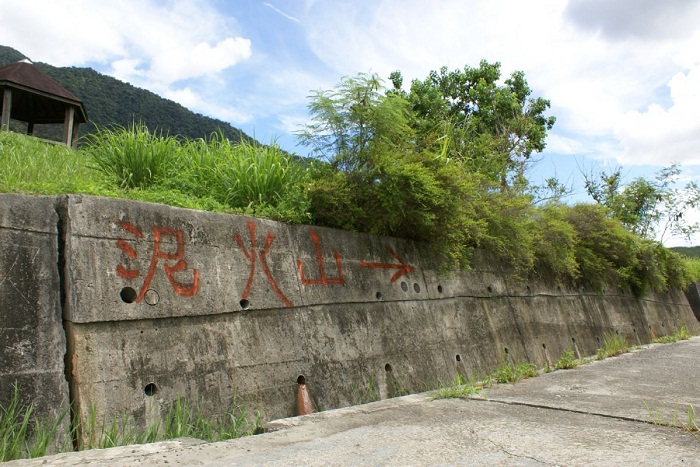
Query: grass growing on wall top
x,y
418,196
134,163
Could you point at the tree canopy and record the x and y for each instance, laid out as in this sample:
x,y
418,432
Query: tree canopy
x,y
654,209
494,127
445,161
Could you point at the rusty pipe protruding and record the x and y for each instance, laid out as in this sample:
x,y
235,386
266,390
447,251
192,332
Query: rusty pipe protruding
x,y
304,404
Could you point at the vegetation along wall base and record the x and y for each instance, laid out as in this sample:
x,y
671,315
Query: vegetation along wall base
x,y
124,307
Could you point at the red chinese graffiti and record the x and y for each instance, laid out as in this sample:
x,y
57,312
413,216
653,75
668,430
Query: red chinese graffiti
x,y
402,267
253,257
186,290
323,279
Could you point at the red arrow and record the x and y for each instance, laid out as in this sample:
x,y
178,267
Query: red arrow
x,y
402,267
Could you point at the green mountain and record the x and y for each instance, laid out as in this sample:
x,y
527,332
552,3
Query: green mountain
x,y
689,251
109,101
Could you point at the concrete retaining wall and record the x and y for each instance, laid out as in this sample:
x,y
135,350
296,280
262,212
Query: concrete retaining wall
x,y
32,340
162,303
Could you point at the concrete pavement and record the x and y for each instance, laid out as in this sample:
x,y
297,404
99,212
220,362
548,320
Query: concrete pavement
x,y
608,412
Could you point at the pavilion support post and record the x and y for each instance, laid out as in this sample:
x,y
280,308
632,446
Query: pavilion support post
x,y
68,126
76,129
30,127
6,109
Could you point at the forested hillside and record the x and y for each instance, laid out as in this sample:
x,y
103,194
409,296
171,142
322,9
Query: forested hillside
x,y
109,101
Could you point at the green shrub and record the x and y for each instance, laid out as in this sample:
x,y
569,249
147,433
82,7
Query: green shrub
x,y
509,231
418,196
679,335
555,245
692,268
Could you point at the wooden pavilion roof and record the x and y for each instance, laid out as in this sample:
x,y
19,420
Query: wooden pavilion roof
x,y
36,97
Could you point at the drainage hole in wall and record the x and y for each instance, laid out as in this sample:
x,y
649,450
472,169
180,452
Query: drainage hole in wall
x,y
301,379
544,346
150,389
458,358
128,295
151,297
416,287
245,304
573,340
559,289
439,289
379,295
387,368
489,289
528,289
506,350
404,286
597,340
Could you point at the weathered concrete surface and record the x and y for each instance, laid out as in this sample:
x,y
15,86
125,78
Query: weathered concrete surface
x,y
593,415
161,303
32,341
166,303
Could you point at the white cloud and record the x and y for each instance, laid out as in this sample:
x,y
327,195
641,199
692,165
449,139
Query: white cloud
x,y
596,82
194,101
148,43
671,135
620,90
292,123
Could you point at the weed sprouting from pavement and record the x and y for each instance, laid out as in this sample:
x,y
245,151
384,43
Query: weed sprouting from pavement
x,y
463,387
613,345
513,372
22,436
680,335
367,391
687,423
567,361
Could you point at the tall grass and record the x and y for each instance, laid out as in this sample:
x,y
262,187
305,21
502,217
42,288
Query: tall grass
x,y
247,177
132,157
135,163
20,435
30,165
24,436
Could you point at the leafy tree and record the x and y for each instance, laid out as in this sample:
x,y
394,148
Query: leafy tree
x,y
649,208
353,122
494,128
376,179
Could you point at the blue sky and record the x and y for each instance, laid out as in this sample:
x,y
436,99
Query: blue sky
x,y
623,76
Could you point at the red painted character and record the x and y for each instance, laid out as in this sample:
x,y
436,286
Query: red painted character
x,y
322,279
254,256
186,290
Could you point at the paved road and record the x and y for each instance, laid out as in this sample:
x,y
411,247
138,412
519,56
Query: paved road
x,y
601,413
